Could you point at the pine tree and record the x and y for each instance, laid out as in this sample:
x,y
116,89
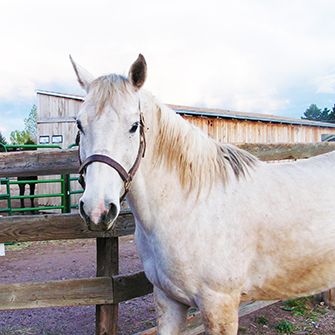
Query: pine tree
x,y
313,112
331,116
324,116
2,141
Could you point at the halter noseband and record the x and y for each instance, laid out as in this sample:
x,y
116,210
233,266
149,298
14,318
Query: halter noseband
x,y
127,177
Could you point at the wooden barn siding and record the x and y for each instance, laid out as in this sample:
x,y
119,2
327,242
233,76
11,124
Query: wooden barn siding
x,y
50,109
244,131
56,107
53,109
223,130
67,129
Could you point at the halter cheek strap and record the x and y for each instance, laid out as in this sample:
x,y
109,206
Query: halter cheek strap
x,y
127,177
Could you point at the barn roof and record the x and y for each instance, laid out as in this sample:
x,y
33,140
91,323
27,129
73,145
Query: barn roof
x,y
217,113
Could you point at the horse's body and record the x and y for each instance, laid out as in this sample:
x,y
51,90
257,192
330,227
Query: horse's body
x,y
214,226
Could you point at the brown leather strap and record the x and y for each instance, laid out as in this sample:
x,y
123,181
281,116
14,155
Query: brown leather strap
x,y
107,160
141,149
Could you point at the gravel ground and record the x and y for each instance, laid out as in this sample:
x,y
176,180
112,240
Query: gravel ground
x,y
43,261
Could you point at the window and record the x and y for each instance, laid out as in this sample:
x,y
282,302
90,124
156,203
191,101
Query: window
x,y
44,140
57,139
328,137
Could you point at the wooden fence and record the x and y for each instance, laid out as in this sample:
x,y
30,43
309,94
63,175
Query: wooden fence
x,y
109,288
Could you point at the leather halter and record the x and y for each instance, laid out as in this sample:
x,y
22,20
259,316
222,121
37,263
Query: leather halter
x,y
127,177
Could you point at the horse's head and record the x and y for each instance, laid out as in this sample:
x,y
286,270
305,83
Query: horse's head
x,y
111,141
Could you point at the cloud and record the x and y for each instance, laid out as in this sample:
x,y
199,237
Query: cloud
x,y
12,123
12,115
326,84
253,56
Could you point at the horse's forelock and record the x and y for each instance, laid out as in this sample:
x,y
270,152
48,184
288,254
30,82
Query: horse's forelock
x,y
105,88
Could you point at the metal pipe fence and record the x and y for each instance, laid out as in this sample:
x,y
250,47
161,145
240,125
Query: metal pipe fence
x,y
65,195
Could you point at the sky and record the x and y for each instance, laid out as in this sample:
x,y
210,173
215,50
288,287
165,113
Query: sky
x,y
263,56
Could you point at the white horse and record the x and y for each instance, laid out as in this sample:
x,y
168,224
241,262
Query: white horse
x,y
214,226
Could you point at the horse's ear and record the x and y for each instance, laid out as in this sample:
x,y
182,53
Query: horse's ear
x,y
138,72
83,76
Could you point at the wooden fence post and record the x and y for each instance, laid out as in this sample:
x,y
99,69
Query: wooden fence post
x,y
107,266
328,297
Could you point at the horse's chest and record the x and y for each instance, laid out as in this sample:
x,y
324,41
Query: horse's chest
x,y
159,273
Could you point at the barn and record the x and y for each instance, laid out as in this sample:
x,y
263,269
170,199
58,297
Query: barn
x,y
57,113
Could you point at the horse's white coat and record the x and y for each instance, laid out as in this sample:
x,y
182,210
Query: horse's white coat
x,y
266,235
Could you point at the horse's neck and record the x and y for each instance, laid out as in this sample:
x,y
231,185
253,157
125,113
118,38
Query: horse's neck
x,y
182,164
153,185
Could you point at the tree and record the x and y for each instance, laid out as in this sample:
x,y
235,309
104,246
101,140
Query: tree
x,y
324,115
29,134
313,112
20,137
2,141
31,123
331,116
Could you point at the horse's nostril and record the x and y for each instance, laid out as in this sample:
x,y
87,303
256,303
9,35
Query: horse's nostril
x,y
112,213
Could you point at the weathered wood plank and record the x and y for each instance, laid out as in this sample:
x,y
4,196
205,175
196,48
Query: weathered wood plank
x,y
269,152
250,307
107,266
194,324
31,163
27,163
73,292
131,286
24,228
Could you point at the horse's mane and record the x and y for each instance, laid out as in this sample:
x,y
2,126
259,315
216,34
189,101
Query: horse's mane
x,y
200,160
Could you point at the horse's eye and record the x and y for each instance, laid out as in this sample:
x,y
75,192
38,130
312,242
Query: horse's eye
x,y
134,127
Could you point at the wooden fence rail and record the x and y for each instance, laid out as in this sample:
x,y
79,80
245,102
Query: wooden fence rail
x,y
20,164
108,288
25,228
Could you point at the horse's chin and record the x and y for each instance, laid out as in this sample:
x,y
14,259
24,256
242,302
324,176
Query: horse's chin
x,y
101,227
95,227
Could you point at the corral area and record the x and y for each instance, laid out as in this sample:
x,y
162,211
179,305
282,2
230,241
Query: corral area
x,y
57,260
54,272
44,261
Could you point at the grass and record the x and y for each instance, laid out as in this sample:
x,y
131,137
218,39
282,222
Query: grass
x,y
18,246
305,312
284,327
262,320
17,331
298,307
304,307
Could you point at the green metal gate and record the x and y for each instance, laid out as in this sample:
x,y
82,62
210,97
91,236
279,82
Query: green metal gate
x,y
65,186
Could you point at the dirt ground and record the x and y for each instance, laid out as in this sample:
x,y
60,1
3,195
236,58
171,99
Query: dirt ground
x,y
43,261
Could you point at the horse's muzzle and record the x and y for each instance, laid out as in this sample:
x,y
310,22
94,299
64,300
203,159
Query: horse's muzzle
x,y
105,221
